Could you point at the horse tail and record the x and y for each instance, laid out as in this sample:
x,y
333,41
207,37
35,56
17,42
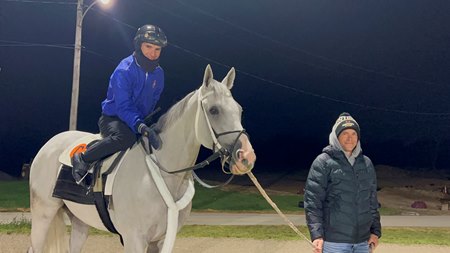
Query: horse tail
x,y
56,241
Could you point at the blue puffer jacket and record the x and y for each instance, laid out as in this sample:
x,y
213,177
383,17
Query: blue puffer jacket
x,y
132,93
340,199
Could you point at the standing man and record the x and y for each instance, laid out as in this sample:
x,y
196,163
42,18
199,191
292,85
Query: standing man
x,y
134,89
341,202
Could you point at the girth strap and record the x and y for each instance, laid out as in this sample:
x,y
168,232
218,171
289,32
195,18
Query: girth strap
x,y
101,201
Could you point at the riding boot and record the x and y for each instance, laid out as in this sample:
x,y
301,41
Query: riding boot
x,y
80,168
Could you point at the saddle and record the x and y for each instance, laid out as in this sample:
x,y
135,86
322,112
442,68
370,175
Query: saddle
x,y
98,187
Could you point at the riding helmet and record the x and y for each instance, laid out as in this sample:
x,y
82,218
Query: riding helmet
x,y
151,34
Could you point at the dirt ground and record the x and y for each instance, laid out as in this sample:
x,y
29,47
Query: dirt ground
x,y
110,244
400,188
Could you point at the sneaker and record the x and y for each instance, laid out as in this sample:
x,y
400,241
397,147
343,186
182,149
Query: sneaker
x,y
80,168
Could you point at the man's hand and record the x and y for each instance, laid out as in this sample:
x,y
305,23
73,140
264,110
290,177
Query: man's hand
x,y
373,242
152,136
318,245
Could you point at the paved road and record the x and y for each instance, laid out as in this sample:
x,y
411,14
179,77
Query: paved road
x,y
274,219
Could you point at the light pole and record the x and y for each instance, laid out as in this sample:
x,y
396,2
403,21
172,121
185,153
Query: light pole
x,y
76,60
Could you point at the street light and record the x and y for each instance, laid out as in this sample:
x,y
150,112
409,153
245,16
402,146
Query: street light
x,y
76,60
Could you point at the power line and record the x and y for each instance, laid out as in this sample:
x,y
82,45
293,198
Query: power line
x,y
12,43
435,114
349,65
114,19
35,45
39,2
296,89
309,64
301,91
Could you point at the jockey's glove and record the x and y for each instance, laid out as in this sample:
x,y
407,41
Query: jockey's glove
x,y
151,134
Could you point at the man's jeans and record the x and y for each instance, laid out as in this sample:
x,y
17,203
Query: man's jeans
x,y
334,247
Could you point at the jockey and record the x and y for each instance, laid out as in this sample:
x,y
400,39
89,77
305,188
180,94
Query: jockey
x,y
134,89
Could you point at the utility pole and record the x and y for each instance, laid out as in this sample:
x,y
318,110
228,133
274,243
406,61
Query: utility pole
x,y
76,68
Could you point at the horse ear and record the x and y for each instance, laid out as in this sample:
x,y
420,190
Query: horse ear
x,y
208,76
229,79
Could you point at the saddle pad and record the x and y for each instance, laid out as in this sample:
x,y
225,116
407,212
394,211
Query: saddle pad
x,y
66,188
78,146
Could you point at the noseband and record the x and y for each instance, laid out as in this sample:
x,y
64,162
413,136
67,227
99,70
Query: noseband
x,y
226,156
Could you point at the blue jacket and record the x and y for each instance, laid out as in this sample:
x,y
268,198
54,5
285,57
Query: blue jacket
x,y
132,93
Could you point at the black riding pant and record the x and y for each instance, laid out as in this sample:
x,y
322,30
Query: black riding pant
x,y
116,135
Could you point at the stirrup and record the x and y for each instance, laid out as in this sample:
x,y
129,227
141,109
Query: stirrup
x,y
82,178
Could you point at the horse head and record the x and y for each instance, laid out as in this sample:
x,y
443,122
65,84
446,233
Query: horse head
x,y
219,123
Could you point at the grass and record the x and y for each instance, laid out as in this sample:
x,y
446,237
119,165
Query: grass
x,y
425,236
14,195
16,227
249,232
233,201
404,236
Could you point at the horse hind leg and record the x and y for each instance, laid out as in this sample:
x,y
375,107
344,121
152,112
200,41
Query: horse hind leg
x,y
78,234
47,226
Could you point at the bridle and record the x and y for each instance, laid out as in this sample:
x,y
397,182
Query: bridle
x,y
224,154
219,151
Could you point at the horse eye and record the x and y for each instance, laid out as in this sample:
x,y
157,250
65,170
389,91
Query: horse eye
x,y
214,110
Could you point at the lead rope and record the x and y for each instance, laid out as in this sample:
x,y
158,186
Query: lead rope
x,y
275,207
250,174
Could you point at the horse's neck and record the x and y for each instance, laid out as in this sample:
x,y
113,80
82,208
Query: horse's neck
x,y
180,146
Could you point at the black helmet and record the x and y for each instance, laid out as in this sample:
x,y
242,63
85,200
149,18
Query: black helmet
x,y
151,34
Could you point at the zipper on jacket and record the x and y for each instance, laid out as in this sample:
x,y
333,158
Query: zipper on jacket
x,y
355,200
356,210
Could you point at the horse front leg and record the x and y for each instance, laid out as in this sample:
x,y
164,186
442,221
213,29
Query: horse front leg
x,y
134,243
155,247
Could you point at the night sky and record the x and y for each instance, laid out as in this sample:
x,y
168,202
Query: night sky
x,y
300,63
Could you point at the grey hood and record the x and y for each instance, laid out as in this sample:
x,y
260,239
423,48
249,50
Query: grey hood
x,y
334,142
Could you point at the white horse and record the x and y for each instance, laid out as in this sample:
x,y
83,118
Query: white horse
x,y
208,116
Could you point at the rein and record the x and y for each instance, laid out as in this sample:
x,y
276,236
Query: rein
x,y
200,165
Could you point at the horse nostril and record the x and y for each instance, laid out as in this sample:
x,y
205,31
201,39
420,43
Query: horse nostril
x,y
245,162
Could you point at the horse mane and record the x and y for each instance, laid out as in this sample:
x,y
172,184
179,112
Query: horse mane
x,y
172,114
178,108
